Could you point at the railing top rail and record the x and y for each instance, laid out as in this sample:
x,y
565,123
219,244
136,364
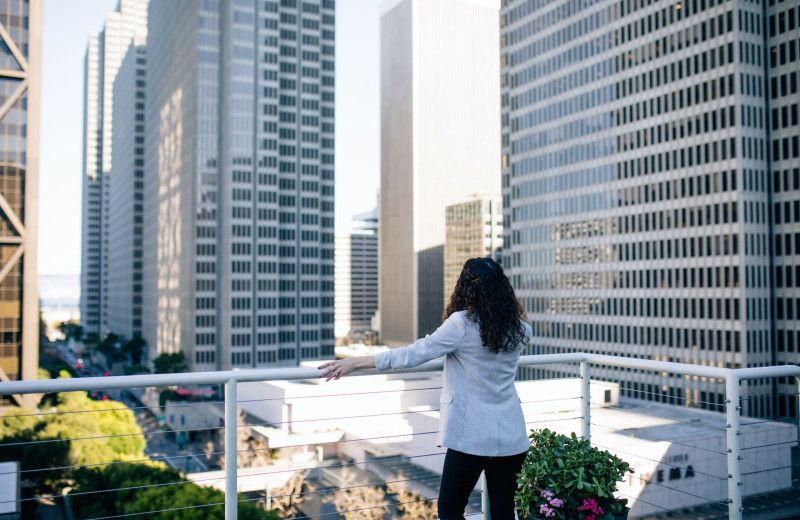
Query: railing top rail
x,y
299,373
183,378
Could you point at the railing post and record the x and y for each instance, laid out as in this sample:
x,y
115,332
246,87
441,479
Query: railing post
x,y
733,415
586,402
231,495
487,514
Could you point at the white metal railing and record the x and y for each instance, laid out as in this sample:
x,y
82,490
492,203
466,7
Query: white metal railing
x,y
230,379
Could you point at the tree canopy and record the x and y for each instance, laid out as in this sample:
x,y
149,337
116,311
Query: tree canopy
x,y
167,363
49,445
158,488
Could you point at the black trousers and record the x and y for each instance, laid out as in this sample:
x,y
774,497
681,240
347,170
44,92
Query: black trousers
x,y
460,474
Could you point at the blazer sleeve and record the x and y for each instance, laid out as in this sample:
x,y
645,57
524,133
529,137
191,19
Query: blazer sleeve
x,y
446,339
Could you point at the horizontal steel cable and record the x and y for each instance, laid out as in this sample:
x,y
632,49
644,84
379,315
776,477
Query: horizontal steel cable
x,y
769,445
708,500
243,425
133,408
217,478
77,466
771,469
553,420
676,443
768,396
338,395
184,508
691,423
615,450
334,489
671,511
549,400
365,508
336,418
767,421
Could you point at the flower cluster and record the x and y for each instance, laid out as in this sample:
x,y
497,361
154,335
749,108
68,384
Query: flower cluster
x,y
552,503
590,510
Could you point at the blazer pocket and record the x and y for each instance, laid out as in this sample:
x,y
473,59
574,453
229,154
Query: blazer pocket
x,y
446,398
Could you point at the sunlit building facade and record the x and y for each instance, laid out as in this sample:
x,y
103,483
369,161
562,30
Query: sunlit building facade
x,y
104,54
440,122
239,177
637,185
472,229
20,94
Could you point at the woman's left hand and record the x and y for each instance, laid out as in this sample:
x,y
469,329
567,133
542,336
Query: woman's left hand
x,y
342,367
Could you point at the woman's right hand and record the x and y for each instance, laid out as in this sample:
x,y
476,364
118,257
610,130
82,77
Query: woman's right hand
x,y
341,367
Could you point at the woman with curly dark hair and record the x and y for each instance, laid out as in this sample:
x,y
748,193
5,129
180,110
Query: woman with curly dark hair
x,y
481,423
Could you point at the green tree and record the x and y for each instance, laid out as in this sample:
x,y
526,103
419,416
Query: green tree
x,y
67,438
55,366
158,488
133,350
109,347
167,363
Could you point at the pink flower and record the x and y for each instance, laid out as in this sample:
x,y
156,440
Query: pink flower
x,y
591,505
546,511
556,502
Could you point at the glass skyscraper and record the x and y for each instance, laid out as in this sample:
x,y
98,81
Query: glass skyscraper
x,y
125,218
239,181
104,54
20,92
637,185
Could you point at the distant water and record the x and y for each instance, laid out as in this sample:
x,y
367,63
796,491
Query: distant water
x,y
60,290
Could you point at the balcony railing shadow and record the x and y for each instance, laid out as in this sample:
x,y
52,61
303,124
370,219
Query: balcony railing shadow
x,y
280,440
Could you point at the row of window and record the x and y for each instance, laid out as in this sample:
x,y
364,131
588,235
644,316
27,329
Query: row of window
x,y
669,278
672,337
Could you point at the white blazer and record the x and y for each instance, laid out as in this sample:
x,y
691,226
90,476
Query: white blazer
x,y
480,412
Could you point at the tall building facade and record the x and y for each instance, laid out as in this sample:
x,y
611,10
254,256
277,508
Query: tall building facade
x,y
636,184
783,74
126,196
20,93
356,276
472,229
104,55
440,123
239,177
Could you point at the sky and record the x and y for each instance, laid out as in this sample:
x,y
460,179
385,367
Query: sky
x,y
65,33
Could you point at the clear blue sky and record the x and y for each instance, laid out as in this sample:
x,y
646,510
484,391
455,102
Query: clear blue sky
x,y
66,28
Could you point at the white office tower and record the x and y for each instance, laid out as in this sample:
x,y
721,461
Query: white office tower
x,y
356,277
473,229
126,197
239,175
440,128
104,55
637,185
783,73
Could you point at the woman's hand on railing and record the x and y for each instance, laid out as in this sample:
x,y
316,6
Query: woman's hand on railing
x,y
342,367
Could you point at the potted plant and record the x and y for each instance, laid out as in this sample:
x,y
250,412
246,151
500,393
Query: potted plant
x,y
567,478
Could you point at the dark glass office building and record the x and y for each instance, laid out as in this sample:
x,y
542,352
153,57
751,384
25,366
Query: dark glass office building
x,y
20,86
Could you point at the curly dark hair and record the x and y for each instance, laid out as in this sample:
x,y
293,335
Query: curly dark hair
x,y
483,290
